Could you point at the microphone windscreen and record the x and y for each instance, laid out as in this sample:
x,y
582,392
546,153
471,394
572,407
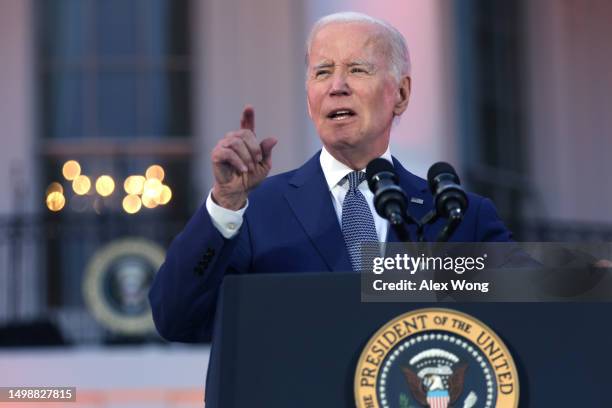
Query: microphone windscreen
x,y
437,169
376,166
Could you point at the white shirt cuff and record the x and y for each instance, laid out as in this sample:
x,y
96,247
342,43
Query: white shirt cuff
x,y
227,222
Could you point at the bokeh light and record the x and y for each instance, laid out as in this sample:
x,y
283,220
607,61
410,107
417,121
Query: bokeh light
x,y
165,196
105,185
131,204
81,184
149,201
151,194
55,201
152,189
155,172
71,170
54,187
134,184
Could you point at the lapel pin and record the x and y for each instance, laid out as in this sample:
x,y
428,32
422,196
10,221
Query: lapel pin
x,y
416,200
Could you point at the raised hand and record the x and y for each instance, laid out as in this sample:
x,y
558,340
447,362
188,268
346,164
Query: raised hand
x,y
240,163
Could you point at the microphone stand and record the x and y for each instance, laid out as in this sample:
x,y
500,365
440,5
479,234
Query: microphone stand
x,y
431,217
398,224
453,222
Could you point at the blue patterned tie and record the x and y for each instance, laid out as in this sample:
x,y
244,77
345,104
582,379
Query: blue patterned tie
x,y
357,221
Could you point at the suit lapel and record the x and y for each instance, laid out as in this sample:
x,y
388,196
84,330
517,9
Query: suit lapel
x,y
310,201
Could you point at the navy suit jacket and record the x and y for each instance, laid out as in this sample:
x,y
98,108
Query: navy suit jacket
x,y
289,226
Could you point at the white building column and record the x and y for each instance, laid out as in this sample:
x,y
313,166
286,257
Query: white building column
x,y
569,94
17,126
248,52
20,284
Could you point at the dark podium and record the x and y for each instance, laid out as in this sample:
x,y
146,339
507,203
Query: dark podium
x,y
293,340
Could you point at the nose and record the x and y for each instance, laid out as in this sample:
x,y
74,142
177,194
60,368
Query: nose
x,y
339,85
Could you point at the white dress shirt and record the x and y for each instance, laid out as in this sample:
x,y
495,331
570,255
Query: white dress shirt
x,y
228,222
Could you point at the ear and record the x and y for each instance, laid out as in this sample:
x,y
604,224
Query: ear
x,y
403,93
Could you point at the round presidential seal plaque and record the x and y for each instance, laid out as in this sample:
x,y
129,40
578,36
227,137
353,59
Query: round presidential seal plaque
x,y
436,358
116,284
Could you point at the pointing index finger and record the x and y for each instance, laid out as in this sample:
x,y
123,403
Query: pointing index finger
x,y
248,119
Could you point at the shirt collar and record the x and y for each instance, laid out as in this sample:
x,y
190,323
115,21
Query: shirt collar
x,y
334,170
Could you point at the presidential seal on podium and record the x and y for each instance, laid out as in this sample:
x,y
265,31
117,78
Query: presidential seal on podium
x,y
436,358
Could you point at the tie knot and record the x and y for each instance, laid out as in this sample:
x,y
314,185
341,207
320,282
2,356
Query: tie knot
x,y
355,178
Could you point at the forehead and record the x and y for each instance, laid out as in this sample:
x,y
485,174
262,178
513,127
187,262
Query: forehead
x,y
341,42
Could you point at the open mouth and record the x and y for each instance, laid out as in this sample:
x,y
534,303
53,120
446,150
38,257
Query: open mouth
x,y
340,114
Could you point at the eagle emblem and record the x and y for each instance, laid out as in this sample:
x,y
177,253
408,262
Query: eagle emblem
x,y
438,380
436,358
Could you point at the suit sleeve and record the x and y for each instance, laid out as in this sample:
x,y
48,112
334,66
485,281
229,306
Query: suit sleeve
x,y
185,289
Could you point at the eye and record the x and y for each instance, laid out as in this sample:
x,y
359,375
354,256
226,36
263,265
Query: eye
x,y
321,73
358,70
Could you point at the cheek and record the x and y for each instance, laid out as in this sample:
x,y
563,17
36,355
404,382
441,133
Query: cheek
x,y
313,98
313,106
384,101
308,106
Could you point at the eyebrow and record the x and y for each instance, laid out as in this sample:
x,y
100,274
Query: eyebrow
x,y
327,64
367,64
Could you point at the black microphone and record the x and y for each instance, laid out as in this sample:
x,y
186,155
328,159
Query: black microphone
x,y
450,200
389,198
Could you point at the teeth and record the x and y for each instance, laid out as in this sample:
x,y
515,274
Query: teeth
x,y
341,114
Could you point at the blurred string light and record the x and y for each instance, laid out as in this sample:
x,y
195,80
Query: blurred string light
x,y
55,201
151,193
71,170
165,196
54,187
155,171
152,187
105,185
147,190
155,193
134,184
131,204
149,201
81,184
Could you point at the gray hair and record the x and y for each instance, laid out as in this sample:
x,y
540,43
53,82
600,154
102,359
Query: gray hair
x,y
399,58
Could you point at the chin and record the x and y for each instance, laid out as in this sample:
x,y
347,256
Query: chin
x,y
340,142
342,137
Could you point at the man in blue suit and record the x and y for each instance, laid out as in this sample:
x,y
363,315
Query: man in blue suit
x,y
358,83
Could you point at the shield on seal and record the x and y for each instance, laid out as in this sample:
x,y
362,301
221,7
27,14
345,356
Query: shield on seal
x,y
438,399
